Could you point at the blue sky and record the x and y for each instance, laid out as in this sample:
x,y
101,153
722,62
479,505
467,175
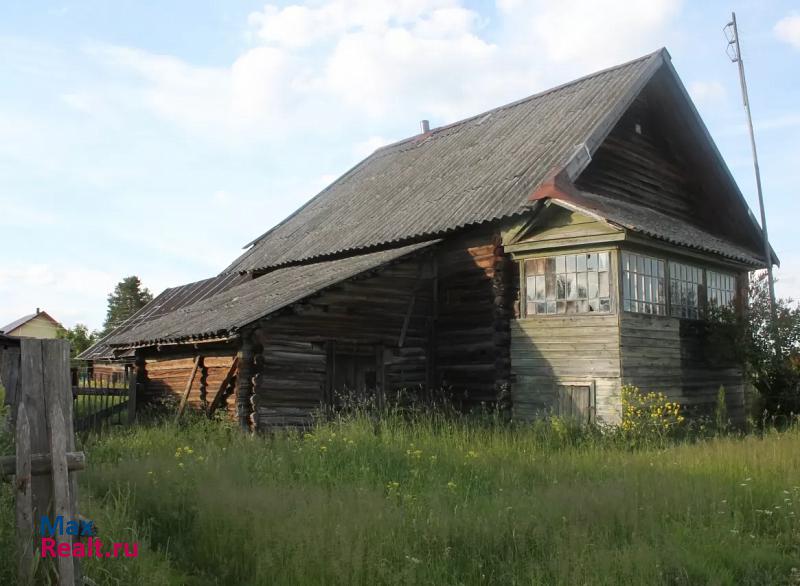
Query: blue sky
x,y
157,138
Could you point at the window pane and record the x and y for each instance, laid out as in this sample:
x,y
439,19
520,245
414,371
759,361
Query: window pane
x,y
561,286
642,284
550,285
572,288
540,287
592,284
583,286
721,289
685,286
573,283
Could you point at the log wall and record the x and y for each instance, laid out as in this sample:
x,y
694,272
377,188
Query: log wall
x,y
387,313
168,377
641,168
474,308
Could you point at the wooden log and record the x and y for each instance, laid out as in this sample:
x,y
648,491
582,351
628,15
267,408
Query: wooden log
x,y
24,498
244,383
187,390
220,394
203,385
40,463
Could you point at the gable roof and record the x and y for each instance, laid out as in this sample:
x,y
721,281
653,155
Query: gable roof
x,y
17,323
476,170
485,168
223,314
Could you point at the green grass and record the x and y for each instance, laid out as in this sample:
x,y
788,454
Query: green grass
x,y
439,502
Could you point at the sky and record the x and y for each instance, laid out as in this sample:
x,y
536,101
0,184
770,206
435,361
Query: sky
x,y
158,137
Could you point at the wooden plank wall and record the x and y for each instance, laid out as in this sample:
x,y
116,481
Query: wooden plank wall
x,y
551,350
474,309
360,315
641,168
168,377
674,356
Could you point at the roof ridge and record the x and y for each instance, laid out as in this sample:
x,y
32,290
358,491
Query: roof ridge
x,y
392,147
520,101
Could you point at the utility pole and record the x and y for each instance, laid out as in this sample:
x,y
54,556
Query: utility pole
x,y
734,51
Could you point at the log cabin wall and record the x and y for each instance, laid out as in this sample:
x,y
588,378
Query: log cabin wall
x,y
167,378
474,278
387,315
679,358
635,164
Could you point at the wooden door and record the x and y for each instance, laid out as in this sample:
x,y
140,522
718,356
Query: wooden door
x,y
575,401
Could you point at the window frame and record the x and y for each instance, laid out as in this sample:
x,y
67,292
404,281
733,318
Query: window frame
x,y
613,284
704,267
734,291
665,277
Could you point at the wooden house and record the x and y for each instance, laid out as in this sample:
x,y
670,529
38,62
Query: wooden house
x,y
35,325
557,247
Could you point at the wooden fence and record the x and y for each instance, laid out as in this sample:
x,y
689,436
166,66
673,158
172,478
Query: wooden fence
x,y
36,376
103,399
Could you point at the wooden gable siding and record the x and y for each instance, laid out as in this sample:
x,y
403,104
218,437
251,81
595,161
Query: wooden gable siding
x,y
641,168
676,357
475,283
557,226
371,314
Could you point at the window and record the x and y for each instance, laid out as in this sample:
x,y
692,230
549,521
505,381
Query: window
x,y
568,283
643,284
721,289
685,288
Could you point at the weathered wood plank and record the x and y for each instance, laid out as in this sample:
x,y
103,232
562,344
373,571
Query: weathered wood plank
x,y
188,388
62,505
23,497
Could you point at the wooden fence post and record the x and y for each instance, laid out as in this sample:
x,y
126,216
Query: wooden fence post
x,y
24,503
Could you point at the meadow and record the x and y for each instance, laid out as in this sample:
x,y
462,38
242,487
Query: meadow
x,y
438,501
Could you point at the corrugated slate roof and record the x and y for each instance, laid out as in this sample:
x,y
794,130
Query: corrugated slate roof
x,y
221,315
477,170
169,300
658,225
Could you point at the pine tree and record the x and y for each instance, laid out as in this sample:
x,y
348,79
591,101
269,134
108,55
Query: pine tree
x,y
128,297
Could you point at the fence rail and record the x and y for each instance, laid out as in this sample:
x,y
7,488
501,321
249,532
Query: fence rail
x,y
102,399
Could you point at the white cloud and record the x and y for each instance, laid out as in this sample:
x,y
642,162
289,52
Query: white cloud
x,y
707,92
590,33
70,294
315,68
787,30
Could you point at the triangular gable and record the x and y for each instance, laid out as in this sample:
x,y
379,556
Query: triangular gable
x,y
658,156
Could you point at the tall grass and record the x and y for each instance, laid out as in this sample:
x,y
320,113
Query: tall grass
x,y
440,502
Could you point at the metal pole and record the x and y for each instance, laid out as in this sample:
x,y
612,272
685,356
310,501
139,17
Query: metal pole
x,y
737,58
